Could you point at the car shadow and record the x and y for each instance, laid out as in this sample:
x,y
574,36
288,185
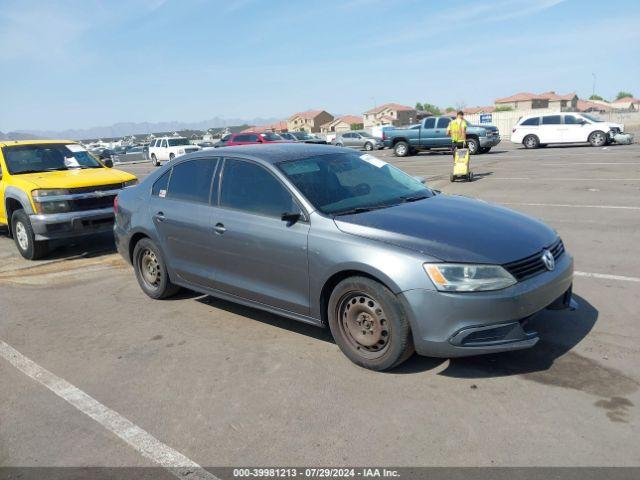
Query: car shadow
x,y
85,247
559,331
274,320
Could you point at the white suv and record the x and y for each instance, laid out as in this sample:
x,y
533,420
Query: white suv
x,y
168,148
535,131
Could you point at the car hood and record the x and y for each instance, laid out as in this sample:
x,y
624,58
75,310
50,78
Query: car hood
x,y
453,229
77,178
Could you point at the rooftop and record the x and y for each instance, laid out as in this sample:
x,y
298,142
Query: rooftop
x,y
392,106
524,96
272,153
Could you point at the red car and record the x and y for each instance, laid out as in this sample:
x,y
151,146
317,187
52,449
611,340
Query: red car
x,y
249,138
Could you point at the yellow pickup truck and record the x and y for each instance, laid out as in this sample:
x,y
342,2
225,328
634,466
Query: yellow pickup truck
x,y
55,189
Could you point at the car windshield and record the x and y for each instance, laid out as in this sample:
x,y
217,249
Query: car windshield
x,y
174,142
47,157
592,118
271,137
351,183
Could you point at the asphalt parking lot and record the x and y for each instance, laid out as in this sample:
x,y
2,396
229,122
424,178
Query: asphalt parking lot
x,y
226,385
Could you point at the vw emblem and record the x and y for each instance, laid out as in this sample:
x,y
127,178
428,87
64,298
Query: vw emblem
x,y
548,260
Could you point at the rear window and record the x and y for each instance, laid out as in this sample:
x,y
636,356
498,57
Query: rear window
x,y
443,122
551,120
531,121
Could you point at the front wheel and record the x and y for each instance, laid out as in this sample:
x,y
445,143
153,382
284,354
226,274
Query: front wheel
x,y
151,270
24,237
473,145
598,139
171,156
369,324
401,149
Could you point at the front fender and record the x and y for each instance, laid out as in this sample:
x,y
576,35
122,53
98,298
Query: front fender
x,y
21,196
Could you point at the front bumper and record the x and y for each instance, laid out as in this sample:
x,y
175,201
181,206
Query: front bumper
x,y
71,224
489,141
462,324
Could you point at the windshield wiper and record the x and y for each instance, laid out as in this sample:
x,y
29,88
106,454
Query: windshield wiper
x,y
364,209
414,198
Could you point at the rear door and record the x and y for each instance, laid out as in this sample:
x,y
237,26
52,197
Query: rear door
x,y
530,126
181,212
551,129
259,256
440,137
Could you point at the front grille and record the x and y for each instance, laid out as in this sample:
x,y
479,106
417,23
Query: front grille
x,y
84,204
533,264
99,188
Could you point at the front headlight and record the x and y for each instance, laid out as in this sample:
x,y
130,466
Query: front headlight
x,y
460,277
130,183
49,193
42,205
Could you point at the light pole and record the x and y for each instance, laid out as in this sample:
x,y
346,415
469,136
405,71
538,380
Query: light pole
x,y
593,90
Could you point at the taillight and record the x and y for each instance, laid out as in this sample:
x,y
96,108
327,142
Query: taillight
x,y
115,204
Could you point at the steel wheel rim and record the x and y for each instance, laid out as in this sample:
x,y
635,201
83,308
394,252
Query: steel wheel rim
x,y
150,269
364,324
368,147
530,142
401,149
21,236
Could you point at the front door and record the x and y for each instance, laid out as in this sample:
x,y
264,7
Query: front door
x,y
181,211
573,130
259,256
440,137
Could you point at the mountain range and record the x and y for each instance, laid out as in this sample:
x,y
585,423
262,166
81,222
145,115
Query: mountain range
x,y
132,128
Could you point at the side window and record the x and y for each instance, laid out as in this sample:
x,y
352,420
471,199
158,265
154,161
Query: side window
x,y
551,120
251,188
443,122
159,188
164,144
430,122
570,120
252,138
531,121
191,181
241,138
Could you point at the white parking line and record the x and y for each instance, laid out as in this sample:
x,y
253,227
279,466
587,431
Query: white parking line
x,y
592,163
142,441
615,207
605,276
489,177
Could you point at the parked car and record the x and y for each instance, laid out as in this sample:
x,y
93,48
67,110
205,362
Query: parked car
x,y
167,148
535,131
431,133
358,139
248,138
206,144
102,153
53,189
289,136
336,238
132,154
308,138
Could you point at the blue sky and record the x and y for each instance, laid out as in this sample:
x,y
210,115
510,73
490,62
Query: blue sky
x,y
76,64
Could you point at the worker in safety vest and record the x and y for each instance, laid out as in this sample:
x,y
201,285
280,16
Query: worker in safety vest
x,y
457,130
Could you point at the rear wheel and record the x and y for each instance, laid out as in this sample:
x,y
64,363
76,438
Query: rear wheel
x,y
368,146
401,149
531,141
151,270
24,237
473,145
484,150
154,160
369,324
598,138
171,156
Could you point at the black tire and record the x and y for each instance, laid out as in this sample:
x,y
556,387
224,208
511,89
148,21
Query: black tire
x,y
484,150
368,146
473,145
24,237
452,178
155,281
361,303
470,177
154,160
531,141
401,149
171,156
339,145
598,138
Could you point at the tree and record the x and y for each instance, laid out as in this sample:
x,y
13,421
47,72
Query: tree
x,y
623,94
432,109
595,97
419,106
449,109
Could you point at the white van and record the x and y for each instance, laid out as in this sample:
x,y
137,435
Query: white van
x,y
168,148
535,131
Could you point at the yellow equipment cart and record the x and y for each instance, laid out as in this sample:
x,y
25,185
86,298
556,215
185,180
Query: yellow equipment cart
x,y
461,159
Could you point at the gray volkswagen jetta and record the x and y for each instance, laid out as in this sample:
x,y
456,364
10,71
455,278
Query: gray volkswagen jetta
x,y
332,237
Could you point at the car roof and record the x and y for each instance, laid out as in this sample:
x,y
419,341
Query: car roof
x,y
9,143
271,153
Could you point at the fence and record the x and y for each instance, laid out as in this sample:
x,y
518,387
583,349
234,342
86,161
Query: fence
x,y
505,121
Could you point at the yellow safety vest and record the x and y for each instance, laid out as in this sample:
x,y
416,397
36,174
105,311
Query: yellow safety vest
x,y
458,128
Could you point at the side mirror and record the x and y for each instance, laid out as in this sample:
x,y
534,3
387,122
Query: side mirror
x,y
108,163
422,180
290,217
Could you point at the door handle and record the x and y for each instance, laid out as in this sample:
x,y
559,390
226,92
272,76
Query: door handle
x,y
159,216
219,229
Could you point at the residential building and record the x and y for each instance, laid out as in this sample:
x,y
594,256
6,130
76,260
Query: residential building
x,y
309,121
593,106
531,101
343,123
390,114
626,103
472,110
